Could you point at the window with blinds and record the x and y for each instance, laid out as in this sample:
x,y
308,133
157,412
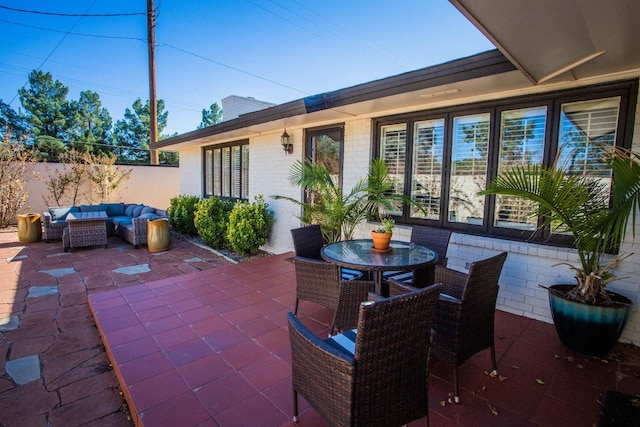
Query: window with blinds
x,y
521,143
226,171
393,149
245,173
585,126
426,177
443,157
469,157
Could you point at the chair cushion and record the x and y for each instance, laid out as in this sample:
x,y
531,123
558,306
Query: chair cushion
x,y
345,342
113,209
349,274
59,224
61,213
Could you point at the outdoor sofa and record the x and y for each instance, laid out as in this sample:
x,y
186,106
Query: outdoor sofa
x,y
127,220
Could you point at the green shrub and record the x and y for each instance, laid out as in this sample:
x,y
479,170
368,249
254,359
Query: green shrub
x,y
211,221
249,225
181,214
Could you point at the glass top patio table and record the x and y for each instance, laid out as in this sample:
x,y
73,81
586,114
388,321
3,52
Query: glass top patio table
x,y
359,255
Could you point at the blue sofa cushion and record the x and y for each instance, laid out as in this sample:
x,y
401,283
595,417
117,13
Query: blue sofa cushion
x,y
91,208
61,213
113,209
122,220
149,215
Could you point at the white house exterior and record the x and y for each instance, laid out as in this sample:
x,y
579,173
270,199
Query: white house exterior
x,y
492,83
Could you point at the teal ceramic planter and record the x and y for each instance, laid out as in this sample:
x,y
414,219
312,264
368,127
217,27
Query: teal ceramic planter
x,y
588,329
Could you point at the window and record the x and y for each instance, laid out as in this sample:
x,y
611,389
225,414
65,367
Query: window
x,y
521,143
393,151
226,171
426,170
469,157
443,158
325,146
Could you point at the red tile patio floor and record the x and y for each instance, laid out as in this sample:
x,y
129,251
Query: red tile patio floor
x,y
211,348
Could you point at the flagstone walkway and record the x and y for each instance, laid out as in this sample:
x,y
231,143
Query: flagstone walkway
x,y
54,370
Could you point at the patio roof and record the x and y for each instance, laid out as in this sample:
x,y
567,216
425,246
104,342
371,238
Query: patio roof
x,y
570,39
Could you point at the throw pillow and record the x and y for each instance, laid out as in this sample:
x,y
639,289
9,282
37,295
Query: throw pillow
x,y
148,209
137,211
128,210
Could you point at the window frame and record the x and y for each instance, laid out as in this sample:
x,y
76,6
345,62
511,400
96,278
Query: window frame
x,y
308,146
626,90
230,179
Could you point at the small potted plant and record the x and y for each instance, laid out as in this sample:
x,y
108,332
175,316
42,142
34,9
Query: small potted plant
x,y
382,235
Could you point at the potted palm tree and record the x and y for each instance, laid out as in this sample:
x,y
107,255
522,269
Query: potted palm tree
x,y
338,213
588,318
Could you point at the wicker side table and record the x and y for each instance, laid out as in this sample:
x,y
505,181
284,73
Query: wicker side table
x,y
85,229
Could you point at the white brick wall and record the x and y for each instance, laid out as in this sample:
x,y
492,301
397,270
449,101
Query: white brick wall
x,y
269,176
528,265
191,172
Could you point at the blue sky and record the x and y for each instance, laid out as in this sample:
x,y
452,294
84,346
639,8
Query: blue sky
x,y
272,50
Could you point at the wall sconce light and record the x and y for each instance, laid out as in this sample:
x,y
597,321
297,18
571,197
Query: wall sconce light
x,y
285,140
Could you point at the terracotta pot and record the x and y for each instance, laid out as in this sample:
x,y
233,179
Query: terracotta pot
x,y
158,235
29,227
381,240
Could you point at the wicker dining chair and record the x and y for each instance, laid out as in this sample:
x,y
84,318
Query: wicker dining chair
x,y
378,375
308,241
464,322
320,282
434,238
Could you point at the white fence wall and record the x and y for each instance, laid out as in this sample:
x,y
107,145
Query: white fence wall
x,y
150,185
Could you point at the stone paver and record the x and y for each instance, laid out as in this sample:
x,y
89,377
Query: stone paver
x,y
42,291
54,370
24,370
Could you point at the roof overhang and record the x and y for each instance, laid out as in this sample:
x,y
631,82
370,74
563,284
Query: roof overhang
x,y
575,39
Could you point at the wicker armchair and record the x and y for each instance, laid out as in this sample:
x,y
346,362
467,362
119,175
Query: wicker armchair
x,y
464,322
434,238
320,282
377,376
307,243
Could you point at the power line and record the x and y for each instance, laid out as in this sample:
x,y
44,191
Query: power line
x,y
55,48
349,32
72,33
81,15
233,68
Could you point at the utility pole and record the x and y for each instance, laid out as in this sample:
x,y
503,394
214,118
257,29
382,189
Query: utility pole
x,y
153,114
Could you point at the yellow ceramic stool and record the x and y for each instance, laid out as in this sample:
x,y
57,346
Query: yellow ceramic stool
x,y
158,235
29,228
